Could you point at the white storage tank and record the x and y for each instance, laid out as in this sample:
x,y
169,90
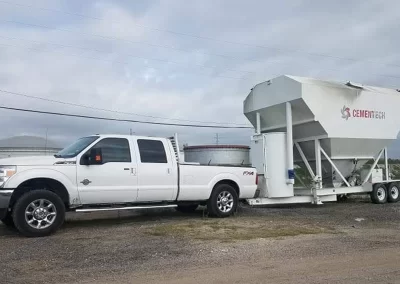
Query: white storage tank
x,y
235,155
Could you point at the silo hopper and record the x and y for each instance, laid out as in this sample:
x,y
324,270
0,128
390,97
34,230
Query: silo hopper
x,y
331,128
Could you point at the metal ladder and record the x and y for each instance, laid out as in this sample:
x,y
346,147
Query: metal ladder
x,y
175,145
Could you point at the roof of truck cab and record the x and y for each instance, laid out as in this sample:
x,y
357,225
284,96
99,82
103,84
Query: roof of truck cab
x,y
129,136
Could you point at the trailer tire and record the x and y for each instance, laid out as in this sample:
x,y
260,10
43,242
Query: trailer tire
x,y
188,208
44,207
8,220
393,192
379,194
223,201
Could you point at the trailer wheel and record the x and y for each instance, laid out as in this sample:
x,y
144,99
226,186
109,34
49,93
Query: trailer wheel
x,y
379,194
393,193
38,213
223,201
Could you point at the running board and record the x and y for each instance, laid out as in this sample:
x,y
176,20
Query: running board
x,y
125,208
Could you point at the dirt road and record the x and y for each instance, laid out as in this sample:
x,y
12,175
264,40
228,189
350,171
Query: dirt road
x,y
354,242
375,266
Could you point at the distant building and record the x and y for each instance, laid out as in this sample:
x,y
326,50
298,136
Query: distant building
x,y
22,146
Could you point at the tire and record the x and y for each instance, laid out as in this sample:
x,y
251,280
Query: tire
x,y
189,208
8,220
223,201
45,208
379,194
393,192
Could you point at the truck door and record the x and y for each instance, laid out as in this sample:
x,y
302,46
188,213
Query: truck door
x,y
157,173
114,179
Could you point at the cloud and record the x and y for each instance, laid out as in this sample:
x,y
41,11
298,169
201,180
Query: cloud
x,y
141,66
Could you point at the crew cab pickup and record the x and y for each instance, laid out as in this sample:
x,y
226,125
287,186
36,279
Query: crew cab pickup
x,y
114,172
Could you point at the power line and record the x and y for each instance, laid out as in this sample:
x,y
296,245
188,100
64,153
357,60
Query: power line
x,y
125,54
108,110
207,38
126,62
122,120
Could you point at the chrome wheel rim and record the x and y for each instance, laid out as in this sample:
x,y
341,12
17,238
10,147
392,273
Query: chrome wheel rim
x,y
225,201
40,214
394,192
381,192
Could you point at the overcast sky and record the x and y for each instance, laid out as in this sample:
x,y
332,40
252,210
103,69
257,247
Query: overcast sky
x,y
180,59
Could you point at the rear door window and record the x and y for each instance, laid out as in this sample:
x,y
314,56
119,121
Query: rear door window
x,y
152,151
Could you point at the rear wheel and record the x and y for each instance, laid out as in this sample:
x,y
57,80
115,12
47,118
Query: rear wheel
x,y
379,194
38,213
393,193
189,208
8,220
223,201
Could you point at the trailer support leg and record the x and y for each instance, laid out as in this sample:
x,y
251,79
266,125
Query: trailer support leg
x,y
318,172
289,144
386,165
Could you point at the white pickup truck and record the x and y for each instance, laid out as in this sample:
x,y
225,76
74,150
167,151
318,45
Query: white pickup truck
x,y
114,172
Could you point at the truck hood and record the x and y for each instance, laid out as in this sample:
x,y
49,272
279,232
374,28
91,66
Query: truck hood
x,y
34,161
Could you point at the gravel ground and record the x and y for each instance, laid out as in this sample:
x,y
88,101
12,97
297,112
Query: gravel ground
x,y
351,242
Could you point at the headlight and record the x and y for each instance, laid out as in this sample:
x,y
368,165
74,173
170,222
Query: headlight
x,y
5,173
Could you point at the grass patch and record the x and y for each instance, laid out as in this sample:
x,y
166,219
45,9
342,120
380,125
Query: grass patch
x,y
235,229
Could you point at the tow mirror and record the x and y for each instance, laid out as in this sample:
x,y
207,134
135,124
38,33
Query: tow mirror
x,y
92,157
96,157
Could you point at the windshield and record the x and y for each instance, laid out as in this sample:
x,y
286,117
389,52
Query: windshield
x,y
75,148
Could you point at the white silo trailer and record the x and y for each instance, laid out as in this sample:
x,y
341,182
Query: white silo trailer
x,y
329,128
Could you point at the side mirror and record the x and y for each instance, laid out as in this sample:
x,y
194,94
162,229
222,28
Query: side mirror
x,y
92,157
96,157
85,160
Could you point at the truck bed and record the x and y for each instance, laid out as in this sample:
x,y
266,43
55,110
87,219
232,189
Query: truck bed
x,y
197,181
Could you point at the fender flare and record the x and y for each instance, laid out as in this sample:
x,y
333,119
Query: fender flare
x,y
16,180
224,176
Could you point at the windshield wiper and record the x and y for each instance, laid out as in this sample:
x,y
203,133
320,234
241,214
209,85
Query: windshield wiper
x,y
57,156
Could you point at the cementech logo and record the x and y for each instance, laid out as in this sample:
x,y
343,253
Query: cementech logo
x,y
362,113
345,112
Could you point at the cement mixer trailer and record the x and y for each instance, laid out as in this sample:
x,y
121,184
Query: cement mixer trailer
x,y
329,129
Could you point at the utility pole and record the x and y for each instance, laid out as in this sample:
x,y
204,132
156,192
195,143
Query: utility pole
x,y
45,145
216,138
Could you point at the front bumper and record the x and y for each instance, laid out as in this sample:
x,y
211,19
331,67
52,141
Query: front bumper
x,y
5,197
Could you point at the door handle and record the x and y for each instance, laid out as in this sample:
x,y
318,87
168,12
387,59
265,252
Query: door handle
x,y
126,169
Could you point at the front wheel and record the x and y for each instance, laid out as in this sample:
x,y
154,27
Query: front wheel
x,y
223,201
38,213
